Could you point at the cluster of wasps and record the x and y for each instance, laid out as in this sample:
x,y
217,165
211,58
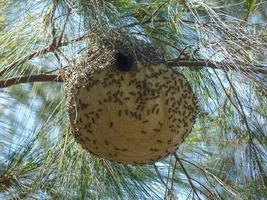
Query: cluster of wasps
x,y
125,104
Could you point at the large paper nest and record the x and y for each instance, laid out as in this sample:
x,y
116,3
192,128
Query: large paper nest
x,y
125,105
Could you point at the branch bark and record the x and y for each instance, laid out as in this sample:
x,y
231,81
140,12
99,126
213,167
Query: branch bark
x,y
29,79
261,69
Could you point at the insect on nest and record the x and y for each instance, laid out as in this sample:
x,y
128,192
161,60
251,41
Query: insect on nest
x,y
126,105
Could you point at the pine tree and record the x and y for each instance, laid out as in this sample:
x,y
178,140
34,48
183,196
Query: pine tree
x,y
219,46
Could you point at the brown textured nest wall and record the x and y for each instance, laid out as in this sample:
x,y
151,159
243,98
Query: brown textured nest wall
x,y
138,115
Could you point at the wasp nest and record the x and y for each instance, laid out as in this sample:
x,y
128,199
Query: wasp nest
x,y
127,106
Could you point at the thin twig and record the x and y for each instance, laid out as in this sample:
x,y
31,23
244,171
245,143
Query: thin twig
x,y
64,27
24,59
181,52
224,185
243,115
40,52
173,173
166,195
53,28
187,175
161,179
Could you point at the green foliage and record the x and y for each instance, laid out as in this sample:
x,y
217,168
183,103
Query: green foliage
x,y
223,158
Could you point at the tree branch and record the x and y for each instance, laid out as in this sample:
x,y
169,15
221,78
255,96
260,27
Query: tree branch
x,y
29,79
262,69
172,63
50,48
24,59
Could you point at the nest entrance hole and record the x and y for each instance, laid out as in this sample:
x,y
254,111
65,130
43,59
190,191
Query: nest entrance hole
x,y
123,62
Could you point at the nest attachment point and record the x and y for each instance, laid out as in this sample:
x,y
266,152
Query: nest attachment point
x,y
128,108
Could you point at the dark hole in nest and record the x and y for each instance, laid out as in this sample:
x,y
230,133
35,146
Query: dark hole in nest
x,y
123,62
